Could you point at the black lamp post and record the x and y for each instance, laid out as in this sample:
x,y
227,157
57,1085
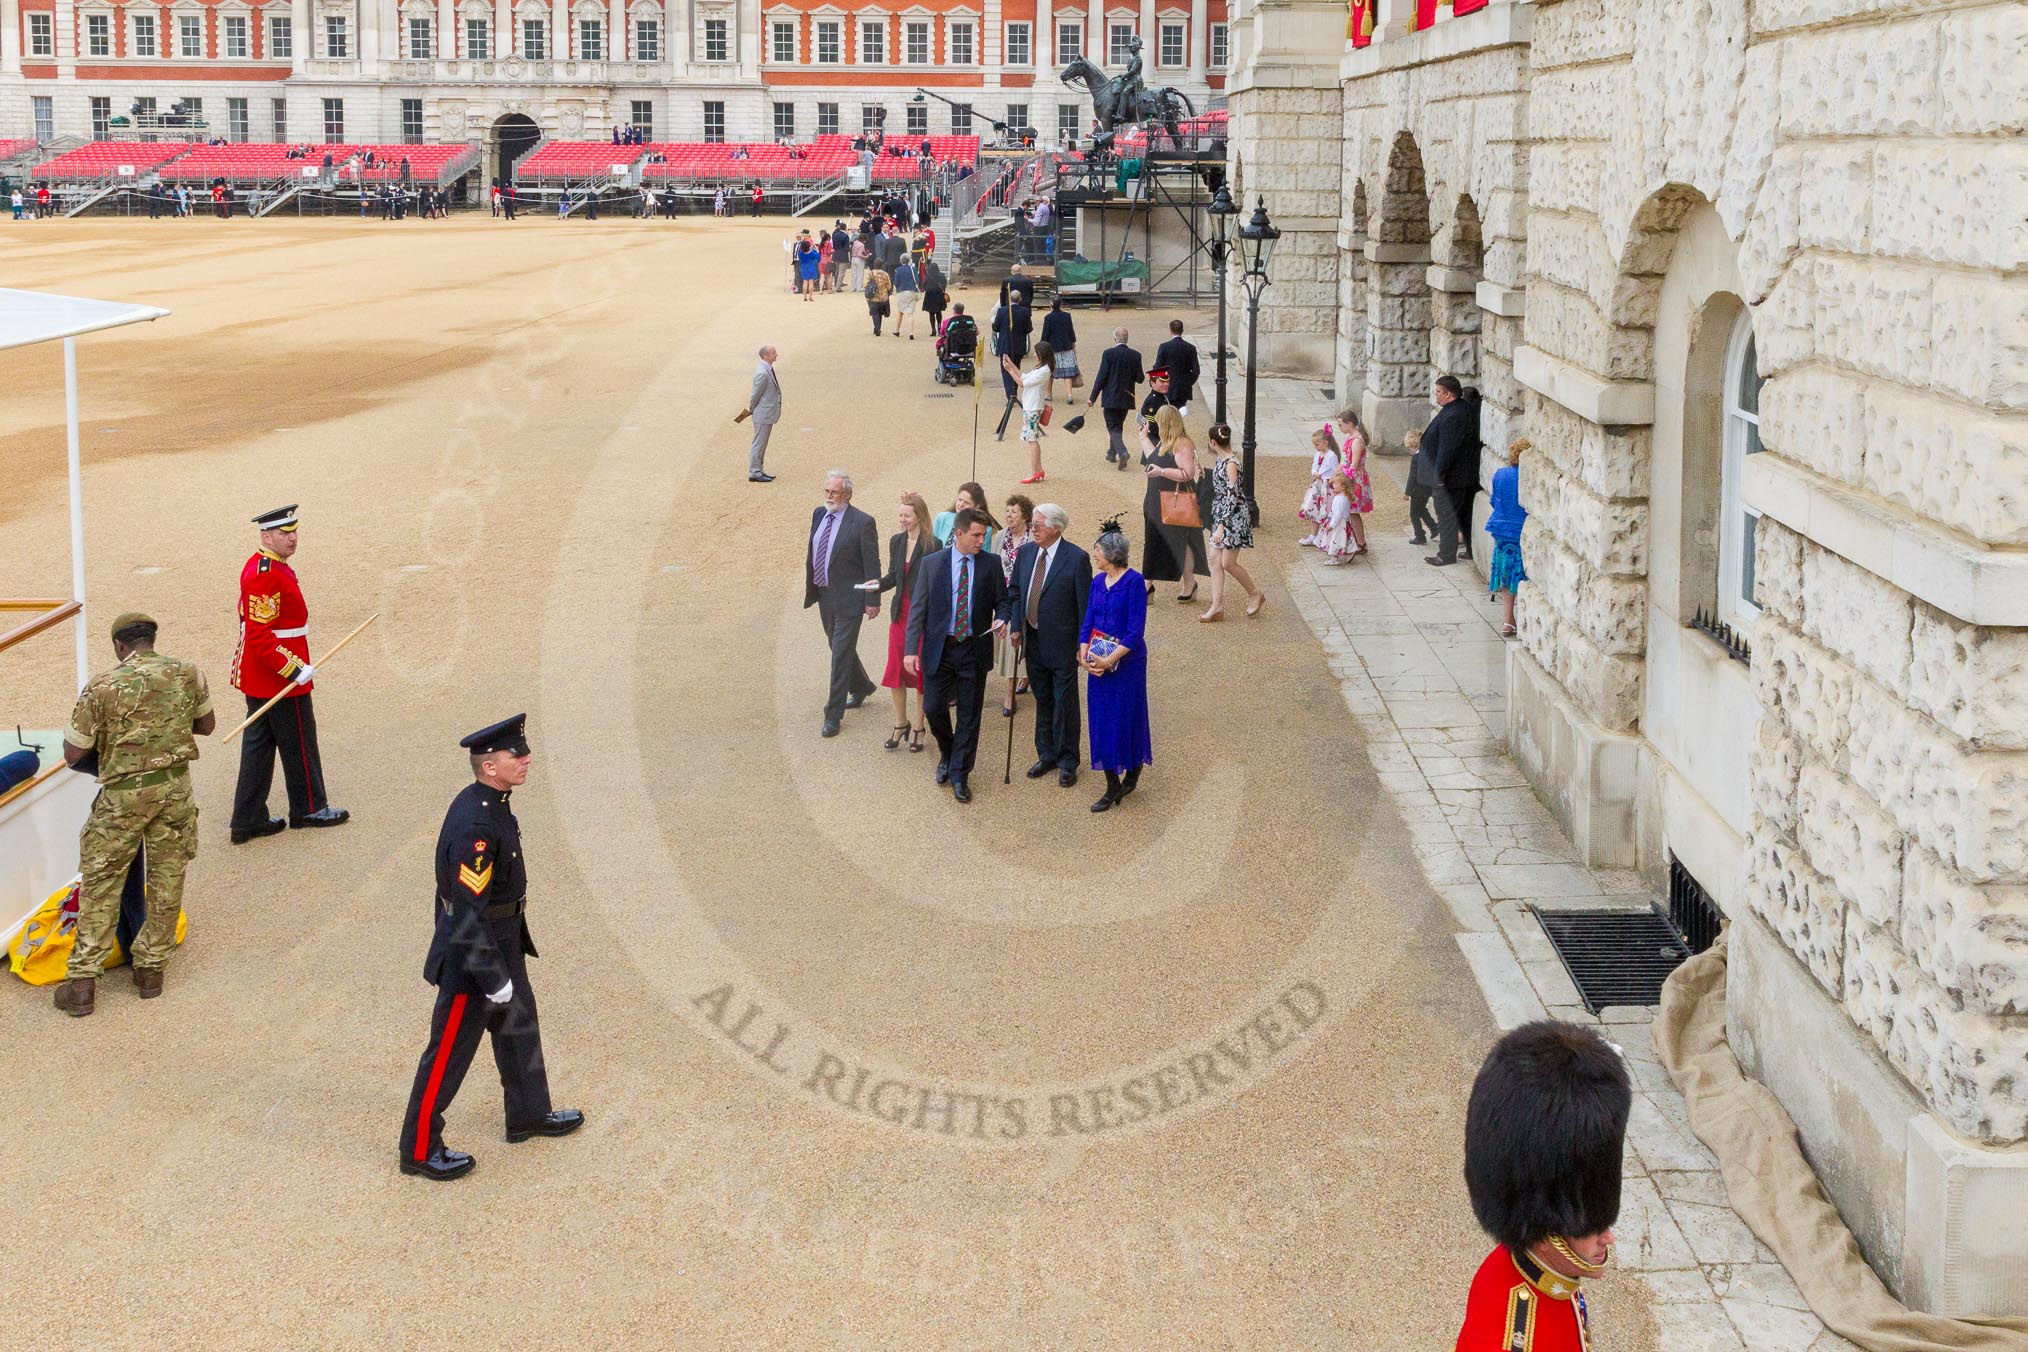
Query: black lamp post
x,y
1256,246
1222,211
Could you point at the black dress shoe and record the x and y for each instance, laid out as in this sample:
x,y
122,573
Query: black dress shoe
x,y
443,1164
1039,769
323,816
960,790
830,727
760,478
561,1122
1067,776
943,772
1105,802
1438,561
855,701
1129,782
272,826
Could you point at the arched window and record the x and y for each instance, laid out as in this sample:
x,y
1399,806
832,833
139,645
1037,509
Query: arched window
x,y
1741,438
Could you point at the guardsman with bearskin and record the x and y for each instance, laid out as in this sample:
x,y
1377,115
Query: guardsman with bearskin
x,y
1544,1135
273,658
478,961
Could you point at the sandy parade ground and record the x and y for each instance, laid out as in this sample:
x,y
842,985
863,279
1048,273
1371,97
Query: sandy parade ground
x,y
862,1067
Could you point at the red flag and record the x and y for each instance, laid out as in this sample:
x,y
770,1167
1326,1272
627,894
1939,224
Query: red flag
x,y
1425,14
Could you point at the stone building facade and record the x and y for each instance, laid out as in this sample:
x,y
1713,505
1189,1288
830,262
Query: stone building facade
x,y
1750,278
453,70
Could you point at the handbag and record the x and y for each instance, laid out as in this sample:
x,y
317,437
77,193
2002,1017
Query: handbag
x,y
1077,380
1047,409
1180,507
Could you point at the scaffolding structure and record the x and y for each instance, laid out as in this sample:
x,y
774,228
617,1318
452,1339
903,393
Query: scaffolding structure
x,y
1149,209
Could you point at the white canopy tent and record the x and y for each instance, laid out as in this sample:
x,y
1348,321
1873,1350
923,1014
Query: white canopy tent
x,y
30,317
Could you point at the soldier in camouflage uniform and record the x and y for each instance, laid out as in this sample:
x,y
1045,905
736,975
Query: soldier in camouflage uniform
x,y
138,721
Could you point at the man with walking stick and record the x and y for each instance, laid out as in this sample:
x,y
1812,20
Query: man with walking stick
x,y
273,659
1045,608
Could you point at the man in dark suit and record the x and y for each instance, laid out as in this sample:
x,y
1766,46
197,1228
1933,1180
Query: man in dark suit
x,y
952,618
1045,607
841,577
1112,388
1449,448
1179,357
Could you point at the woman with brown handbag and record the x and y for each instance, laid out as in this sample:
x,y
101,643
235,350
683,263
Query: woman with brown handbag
x,y
1172,546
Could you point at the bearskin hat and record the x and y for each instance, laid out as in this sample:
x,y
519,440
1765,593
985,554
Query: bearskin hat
x,y
1544,1133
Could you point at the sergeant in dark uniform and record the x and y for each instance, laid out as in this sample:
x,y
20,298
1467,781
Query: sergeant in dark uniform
x,y
478,961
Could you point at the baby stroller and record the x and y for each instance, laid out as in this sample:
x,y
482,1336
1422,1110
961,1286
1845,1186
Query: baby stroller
x,y
955,365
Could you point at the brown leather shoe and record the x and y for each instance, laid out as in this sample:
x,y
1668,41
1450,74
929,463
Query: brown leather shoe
x,y
148,982
77,996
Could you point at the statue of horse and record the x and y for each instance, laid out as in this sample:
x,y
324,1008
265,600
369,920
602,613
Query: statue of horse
x,y
1124,101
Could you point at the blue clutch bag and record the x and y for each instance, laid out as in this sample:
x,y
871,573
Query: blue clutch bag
x,y
1103,645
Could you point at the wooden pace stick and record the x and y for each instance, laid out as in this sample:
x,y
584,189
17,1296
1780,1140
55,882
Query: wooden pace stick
x,y
253,717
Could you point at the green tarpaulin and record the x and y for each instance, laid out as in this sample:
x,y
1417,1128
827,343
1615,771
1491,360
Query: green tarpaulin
x,y
1080,272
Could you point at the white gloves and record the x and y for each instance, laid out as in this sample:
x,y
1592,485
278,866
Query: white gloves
x,y
304,673
503,995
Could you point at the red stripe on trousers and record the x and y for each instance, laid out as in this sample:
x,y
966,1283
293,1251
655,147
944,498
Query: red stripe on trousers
x,y
427,1112
303,752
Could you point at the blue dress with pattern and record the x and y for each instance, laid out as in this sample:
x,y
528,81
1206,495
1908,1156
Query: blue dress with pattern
x,y
1116,704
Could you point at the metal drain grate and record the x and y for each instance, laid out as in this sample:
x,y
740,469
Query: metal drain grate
x,y
1691,910
1614,957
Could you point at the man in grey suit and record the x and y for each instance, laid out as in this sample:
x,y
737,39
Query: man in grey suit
x,y
841,577
764,406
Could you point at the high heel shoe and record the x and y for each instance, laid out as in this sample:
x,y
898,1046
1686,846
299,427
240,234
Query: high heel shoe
x,y
1253,606
1211,617
900,735
915,737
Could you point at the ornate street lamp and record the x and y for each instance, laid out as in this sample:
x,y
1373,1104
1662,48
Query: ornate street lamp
x,y
1222,211
1256,247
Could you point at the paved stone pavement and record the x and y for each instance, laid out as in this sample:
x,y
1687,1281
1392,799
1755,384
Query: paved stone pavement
x,y
1419,657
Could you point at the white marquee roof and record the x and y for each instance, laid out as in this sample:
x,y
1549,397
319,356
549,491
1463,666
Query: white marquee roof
x,y
28,317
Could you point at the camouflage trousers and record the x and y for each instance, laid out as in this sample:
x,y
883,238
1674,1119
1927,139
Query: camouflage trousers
x,y
164,818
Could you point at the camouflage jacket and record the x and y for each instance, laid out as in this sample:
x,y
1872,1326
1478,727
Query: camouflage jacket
x,y
138,715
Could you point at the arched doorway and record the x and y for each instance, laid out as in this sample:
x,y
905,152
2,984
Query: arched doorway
x,y
512,136
1398,301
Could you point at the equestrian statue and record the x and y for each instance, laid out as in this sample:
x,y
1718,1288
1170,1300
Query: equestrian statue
x,y
1123,101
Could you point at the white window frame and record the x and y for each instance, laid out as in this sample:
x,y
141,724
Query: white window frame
x,y
336,27
710,108
834,31
190,45
828,113
281,39
779,29
1114,26
404,109
278,114
425,50
1220,53
239,120
42,35
647,36
967,31
478,38
723,28
593,28
1066,52
1736,520
1019,116
144,35
1163,28
911,30
236,37
782,106
874,26
97,35
911,114
1027,33
532,25
334,127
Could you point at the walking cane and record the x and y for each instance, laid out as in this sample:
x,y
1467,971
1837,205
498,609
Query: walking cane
x,y
253,717
1020,662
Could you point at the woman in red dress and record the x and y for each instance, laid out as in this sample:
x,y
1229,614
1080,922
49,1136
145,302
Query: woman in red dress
x,y
904,551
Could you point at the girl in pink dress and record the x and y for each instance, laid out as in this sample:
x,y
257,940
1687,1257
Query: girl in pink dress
x,y
1352,464
1323,464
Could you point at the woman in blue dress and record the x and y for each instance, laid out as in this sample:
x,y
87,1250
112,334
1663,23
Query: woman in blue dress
x,y
1113,651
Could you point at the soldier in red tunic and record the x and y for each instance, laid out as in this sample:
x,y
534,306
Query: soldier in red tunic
x,y
273,658
1544,1135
